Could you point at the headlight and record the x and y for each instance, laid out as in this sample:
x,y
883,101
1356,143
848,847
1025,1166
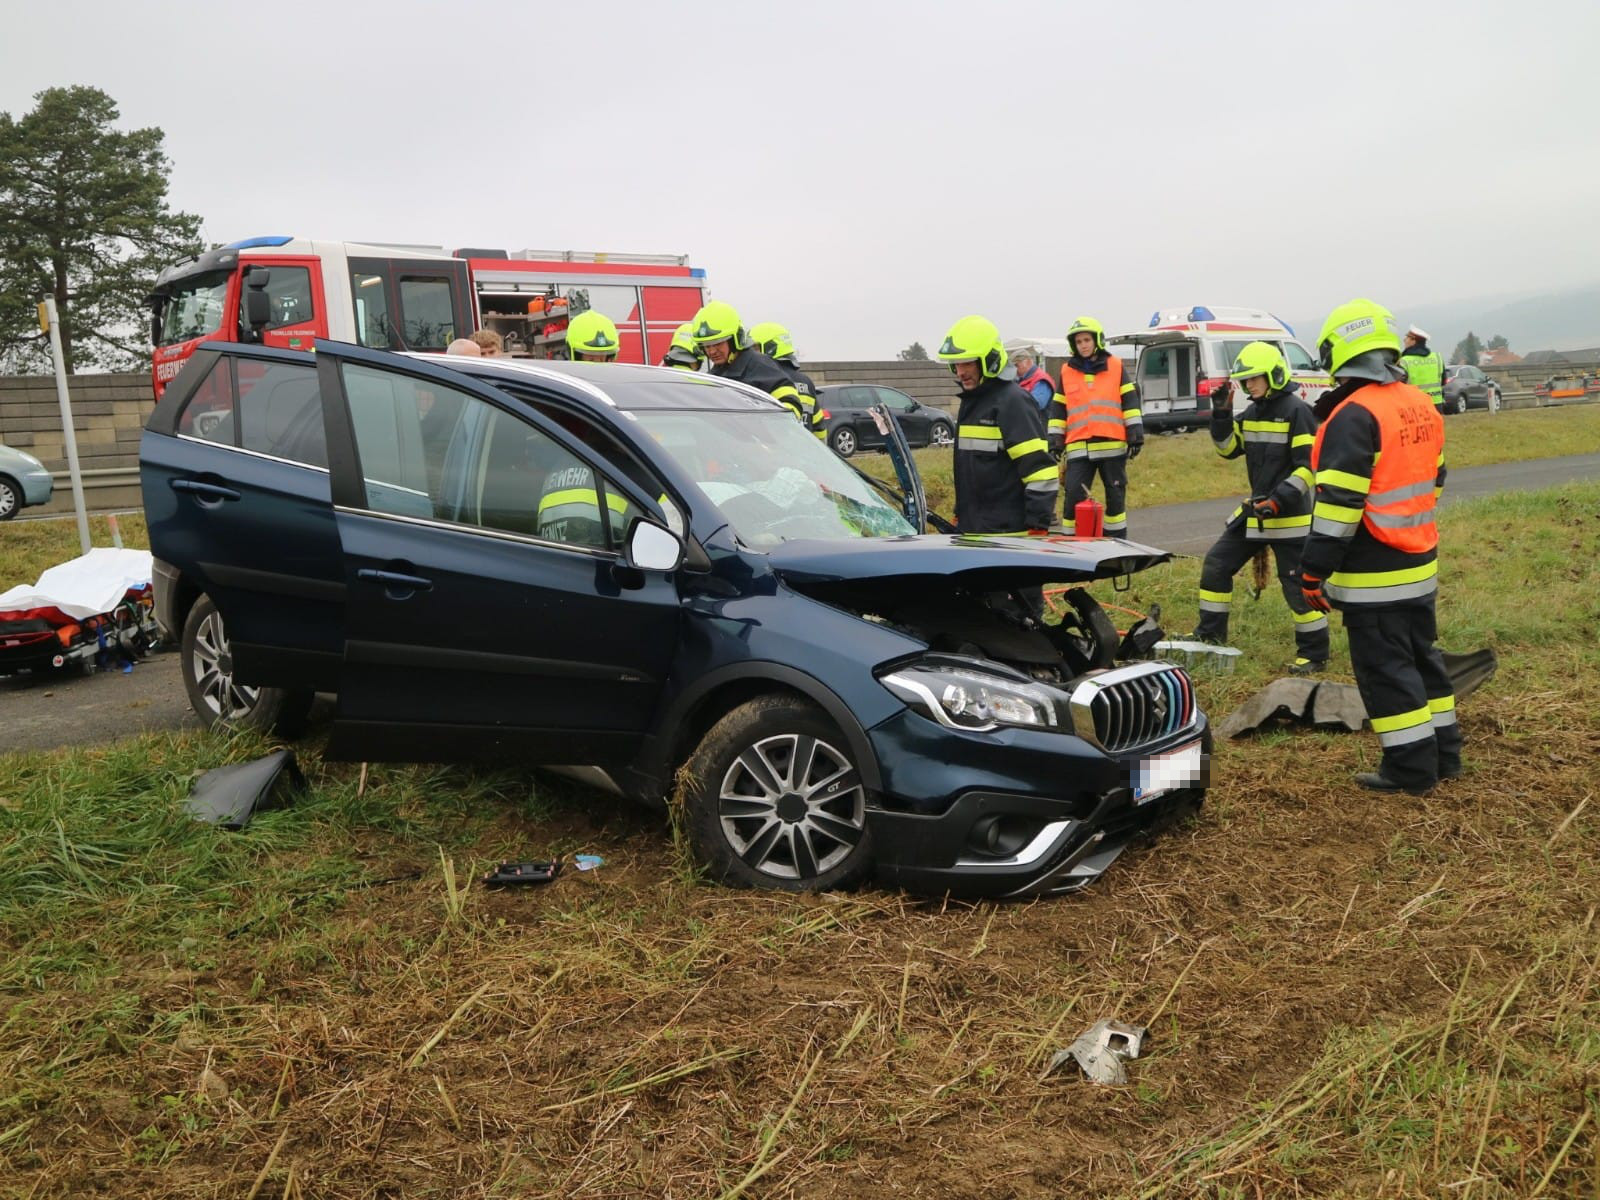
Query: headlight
x,y
966,698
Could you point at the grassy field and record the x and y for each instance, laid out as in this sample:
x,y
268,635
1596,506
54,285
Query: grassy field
x,y
1348,994
1182,467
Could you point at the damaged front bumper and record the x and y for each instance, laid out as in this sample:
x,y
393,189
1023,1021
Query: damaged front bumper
x,y
1016,813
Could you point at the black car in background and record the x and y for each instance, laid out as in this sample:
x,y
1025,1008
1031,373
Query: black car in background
x,y
1469,387
850,427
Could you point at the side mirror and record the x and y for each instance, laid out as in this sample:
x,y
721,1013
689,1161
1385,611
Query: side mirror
x,y
256,305
652,547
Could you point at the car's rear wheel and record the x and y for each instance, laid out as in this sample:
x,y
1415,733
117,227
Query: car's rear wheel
x,y
217,697
941,435
10,498
774,800
843,441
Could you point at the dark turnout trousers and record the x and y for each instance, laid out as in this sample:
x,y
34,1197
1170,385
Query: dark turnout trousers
x,y
1409,699
1231,551
1114,474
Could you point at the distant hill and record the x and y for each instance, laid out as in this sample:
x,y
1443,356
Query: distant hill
x,y
1563,320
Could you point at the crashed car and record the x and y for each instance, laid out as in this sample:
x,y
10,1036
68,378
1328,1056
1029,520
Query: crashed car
x,y
657,581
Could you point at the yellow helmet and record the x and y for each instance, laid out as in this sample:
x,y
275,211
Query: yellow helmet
x,y
683,352
1354,328
974,339
1087,325
718,322
591,332
1261,358
772,339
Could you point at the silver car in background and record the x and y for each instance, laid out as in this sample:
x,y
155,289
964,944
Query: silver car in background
x,y
24,482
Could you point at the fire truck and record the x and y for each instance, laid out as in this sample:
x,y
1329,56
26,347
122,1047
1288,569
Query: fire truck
x,y
285,291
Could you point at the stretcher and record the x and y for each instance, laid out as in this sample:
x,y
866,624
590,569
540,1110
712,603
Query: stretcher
x,y
91,612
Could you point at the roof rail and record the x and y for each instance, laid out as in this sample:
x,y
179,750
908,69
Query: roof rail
x,y
601,256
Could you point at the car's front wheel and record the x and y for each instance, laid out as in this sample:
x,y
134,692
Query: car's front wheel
x,y
219,699
10,498
773,799
843,441
941,435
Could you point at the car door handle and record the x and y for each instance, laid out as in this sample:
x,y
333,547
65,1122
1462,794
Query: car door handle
x,y
205,491
395,580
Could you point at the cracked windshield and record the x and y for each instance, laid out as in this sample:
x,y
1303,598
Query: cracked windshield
x,y
772,480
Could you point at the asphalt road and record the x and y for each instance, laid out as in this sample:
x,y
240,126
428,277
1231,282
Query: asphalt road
x,y
68,711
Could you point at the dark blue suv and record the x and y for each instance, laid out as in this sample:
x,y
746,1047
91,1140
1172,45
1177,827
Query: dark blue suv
x,y
660,582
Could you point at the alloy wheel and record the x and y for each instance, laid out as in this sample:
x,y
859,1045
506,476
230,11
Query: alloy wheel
x,y
212,665
792,806
942,436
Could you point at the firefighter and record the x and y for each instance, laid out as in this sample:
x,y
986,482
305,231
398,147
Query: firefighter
x,y
683,353
1096,420
1031,377
774,341
1373,547
591,337
1274,433
1424,367
1005,478
722,339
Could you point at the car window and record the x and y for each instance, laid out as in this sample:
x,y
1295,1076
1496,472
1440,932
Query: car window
x,y
895,401
194,308
770,479
429,450
373,324
279,411
428,313
288,296
859,397
1299,357
208,413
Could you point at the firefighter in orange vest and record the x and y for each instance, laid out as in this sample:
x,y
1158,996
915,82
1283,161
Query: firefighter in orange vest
x,y
1373,547
1096,420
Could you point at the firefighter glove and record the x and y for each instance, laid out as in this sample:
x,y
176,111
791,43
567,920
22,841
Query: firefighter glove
x,y
1134,446
1222,395
1311,590
1057,445
1265,507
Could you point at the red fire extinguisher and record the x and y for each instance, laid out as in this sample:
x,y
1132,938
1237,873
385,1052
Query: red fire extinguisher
x,y
1089,517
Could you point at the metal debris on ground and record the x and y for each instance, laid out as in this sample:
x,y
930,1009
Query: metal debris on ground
x,y
230,796
1200,654
1101,1051
517,873
1321,702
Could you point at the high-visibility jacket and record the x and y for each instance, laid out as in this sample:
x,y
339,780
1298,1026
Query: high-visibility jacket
x,y
755,368
1006,481
1274,434
1425,370
1379,465
1038,384
1098,412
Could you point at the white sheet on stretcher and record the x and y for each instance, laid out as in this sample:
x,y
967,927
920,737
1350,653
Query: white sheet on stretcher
x,y
82,587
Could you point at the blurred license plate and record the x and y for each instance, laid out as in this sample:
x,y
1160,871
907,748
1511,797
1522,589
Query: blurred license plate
x,y
1162,773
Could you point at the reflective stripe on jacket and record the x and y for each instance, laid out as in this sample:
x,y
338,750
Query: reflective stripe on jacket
x,y
1379,464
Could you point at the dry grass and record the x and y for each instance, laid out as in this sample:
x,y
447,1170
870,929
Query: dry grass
x,y
1183,467
28,547
1349,994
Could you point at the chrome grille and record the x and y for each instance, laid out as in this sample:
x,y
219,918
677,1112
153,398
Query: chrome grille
x,y
1128,707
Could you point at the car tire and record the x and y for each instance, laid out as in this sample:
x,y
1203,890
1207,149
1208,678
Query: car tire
x,y
753,824
941,434
10,498
843,441
217,700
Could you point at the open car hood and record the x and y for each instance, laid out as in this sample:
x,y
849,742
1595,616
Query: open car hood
x,y
971,560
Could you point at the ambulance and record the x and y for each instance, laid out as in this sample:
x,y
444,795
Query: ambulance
x,y
287,292
1185,353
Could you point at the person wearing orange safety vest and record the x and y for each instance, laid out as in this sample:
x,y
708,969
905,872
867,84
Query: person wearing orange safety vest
x,y
1373,547
1097,422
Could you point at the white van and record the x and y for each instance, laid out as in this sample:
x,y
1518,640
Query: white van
x,y
1184,353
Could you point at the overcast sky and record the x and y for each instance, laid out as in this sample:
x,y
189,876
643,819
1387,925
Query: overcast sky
x,y
868,172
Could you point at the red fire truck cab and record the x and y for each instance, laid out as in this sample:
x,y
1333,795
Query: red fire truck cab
x,y
283,291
